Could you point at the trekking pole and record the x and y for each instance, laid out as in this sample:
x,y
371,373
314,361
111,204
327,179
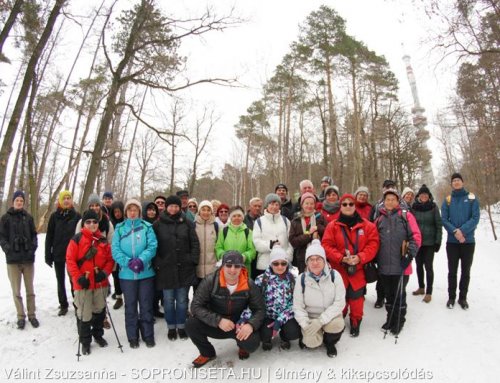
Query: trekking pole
x,y
400,303
391,314
120,346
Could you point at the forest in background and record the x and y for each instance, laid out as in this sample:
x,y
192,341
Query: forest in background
x,y
330,108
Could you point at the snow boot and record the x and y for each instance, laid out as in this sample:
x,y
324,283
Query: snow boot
x,y
182,333
267,346
62,311
243,354
450,304
399,320
85,335
21,323
172,334
285,345
463,304
379,303
330,340
98,328
355,328
134,343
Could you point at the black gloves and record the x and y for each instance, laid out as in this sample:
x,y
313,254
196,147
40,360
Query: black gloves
x,y
437,246
83,282
405,261
100,276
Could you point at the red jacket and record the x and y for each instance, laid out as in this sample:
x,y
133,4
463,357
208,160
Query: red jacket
x,y
334,244
102,260
364,209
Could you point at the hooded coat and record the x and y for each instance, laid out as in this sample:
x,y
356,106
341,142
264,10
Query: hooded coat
x,y
60,229
18,236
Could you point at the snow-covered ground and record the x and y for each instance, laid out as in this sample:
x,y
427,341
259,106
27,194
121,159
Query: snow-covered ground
x,y
437,344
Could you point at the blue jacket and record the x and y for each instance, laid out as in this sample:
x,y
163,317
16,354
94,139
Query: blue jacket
x,y
460,212
134,238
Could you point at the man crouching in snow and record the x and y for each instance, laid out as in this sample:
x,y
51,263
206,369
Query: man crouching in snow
x,y
318,301
89,262
217,306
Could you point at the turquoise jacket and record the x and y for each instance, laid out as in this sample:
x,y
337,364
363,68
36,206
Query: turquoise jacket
x,y
134,238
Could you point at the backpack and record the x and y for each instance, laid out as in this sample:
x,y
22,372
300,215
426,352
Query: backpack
x,y
285,220
226,230
303,279
448,198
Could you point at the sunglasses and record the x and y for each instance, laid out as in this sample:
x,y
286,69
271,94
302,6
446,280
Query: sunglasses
x,y
191,206
91,222
350,204
160,203
235,266
223,211
283,264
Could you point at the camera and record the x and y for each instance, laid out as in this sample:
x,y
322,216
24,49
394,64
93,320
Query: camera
x,y
351,269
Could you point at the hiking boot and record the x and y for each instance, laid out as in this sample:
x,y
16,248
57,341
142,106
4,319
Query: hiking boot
x,y
427,298
150,343
419,291
355,329
134,343
379,303
34,322
118,303
267,346
113,296
285,345
243,354
172,334
396,329
450,304
331,350
62,311
101,341
182,333
386,326
463,304
202,360
106,324
86,349
21,323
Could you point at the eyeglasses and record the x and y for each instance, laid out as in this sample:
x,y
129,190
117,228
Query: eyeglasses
x,y
91,222
283,264
350,204
230,266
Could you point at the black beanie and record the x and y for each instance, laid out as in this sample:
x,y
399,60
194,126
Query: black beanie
x,y
173,200
456,175
18,193
89,214
424,190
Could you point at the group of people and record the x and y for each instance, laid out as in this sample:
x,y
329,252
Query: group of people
x,y
292,270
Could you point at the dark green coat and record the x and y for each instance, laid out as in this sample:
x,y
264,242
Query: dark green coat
x,y
429,222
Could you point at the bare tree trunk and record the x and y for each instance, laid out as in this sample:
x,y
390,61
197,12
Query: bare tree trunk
x,y
9,23
32,176
492,223
13,177
10,133
13,88
332,122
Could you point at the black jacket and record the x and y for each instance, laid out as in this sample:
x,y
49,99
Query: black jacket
x,y
212,302
177,253
287,209
60,230
18,236
112,218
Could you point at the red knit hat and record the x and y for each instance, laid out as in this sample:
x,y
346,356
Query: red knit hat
x,y
306,196
346,196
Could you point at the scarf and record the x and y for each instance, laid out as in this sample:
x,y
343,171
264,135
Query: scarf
x,y
330,207
312,222
427,206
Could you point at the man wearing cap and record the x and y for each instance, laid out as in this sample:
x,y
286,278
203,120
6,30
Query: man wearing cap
x,y
218,305
160,202
460,214
184,196
286,203
18,239
325,182
60,229
107,201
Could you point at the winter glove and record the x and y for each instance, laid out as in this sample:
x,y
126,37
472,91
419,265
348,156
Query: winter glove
x,y
313,327
49,262
275,325
100,276
437,246
136,265
405,261
84,282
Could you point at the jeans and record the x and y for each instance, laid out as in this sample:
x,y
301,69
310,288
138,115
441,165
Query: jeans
x,y
140,293
175,304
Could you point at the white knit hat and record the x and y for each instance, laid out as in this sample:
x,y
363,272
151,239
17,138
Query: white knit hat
x,y
315,248
277,253
407,190
135,202
205,203
362,189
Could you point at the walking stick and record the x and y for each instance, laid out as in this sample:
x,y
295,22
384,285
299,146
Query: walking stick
x,y
120,346
391,314
79,324
400,303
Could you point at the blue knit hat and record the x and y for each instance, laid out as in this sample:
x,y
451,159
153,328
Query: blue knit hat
x,y
18,193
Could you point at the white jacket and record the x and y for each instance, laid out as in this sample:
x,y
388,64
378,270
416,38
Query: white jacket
x,y
324,299
274,227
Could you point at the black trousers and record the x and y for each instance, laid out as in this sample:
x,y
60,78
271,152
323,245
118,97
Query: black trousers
x,y
395,300
379,287
199,332
60,269
289,331
462,253
425,258
116,281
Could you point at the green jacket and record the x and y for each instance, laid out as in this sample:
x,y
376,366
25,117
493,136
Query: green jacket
x,y
236,239
430,223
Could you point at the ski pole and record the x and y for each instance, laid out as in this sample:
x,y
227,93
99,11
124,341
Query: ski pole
x,y
120,346
391,314
79,322
400,304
